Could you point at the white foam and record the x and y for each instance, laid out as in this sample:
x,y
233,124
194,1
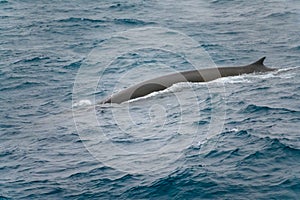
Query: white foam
x,y
234,130
286,73
232,79
84,102
286,69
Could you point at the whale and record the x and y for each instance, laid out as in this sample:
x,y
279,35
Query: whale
x,y
202,75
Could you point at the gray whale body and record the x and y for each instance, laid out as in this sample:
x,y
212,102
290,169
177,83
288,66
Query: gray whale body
x,y
202,75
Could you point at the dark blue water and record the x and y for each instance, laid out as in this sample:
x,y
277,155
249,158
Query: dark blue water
x,y
233,138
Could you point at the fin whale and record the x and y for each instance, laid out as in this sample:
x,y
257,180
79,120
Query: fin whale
x,y
202,75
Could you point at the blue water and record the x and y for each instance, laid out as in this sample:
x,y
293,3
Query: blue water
x,y
233,138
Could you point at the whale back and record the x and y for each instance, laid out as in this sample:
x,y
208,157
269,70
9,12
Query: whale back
x,y
202,75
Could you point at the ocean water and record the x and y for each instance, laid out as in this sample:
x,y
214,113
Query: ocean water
x,y
232,138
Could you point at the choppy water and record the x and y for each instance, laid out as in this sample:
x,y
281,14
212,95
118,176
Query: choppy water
x,y
233,138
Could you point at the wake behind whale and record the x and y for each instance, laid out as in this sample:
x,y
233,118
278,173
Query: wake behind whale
x,y
202,75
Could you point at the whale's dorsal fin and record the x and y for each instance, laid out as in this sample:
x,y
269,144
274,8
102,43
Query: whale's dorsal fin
x,y
259,62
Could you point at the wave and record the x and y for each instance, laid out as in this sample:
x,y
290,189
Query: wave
x,y
73,65
131,21
77,19
272,146
266,109
265,143
24,85
280,15
33,59
3,197
122,6
124,21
